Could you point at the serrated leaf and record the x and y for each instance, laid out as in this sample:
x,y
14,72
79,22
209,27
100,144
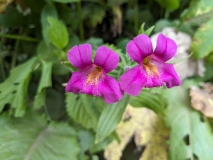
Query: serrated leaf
x,y
47,11
147,129
190,137
84,110
149,100
58,33
110,117
66,1
170,4
198,8
31,138
202,43
45,81
14,90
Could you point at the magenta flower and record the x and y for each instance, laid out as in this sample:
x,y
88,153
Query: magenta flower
x,y
92,77
151,71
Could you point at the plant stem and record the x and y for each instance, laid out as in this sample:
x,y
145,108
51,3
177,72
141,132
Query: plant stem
x,y
2,69
136,17
24,38
15,54
81,27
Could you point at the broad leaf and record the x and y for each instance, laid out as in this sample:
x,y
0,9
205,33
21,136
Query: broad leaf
x,y
148,99
198,8
47,11
191,138
66,1
45,82
14,90
84,110
202,44
58,33
31,138
110,117
170,4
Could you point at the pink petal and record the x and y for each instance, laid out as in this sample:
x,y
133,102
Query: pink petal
x,y
132,81
106,59
80,56
165,49
170,76
76,82
139,48
110,90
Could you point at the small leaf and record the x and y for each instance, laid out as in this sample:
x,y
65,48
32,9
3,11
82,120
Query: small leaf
x,y
14,89
66,1
42,141
58,33
169,4
143,31
47,11
45,82
202,44
84,110
110,117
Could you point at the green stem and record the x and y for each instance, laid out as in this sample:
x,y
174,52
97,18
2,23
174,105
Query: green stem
x,y
23,38
81,27
136,17
15,54
2,69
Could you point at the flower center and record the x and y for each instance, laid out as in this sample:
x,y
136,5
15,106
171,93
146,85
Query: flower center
x,y
151,69
94,75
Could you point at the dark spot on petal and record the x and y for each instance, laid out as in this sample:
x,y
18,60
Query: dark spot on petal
x,y
13,92
16,83
186,139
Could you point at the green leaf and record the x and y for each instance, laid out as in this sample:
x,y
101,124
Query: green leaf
x,y
47,11
58,33
169,4
190,136
84,110
60,69
110,117
143,31
31,138
66,1
14,90
45,81
148,99
47,52
198,8
202,43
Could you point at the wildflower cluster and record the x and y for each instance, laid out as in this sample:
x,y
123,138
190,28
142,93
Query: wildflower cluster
x,y
151,71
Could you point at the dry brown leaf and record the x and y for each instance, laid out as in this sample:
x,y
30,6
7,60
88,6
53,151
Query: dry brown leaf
x,y
148,130
202,99
4,4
